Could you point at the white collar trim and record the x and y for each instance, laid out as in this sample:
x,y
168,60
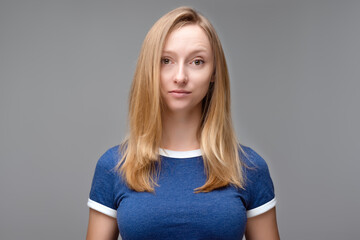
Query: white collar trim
x,y
179,154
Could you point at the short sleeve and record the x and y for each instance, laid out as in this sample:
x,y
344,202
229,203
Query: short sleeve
x,y
259,185
101,197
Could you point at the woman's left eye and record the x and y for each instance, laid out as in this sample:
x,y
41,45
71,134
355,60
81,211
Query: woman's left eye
x,y
198,62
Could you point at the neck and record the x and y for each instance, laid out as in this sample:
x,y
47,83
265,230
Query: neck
x,y
180,130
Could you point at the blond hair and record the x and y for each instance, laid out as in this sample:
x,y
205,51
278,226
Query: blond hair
x,y
140,150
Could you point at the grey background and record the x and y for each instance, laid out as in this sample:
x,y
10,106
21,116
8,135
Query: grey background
x,y
65,72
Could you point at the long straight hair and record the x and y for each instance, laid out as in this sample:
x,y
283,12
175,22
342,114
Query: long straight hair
x,y
140,150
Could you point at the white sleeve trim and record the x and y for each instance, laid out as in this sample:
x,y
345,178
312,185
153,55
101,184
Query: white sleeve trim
x,y
102,208
261,209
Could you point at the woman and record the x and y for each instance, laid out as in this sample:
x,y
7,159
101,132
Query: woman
x,y
181,173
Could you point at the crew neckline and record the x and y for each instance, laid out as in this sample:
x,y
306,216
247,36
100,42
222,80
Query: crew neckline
x,y
179,154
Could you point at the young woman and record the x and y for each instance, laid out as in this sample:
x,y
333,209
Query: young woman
x,y
181,174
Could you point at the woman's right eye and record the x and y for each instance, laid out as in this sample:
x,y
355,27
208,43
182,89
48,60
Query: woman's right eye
x,y
165,61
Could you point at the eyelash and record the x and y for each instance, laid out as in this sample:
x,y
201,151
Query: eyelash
x,y
164,59
167,59
200,60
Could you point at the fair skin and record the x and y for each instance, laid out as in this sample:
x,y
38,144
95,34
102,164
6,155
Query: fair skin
x,y
262,227
101,226
186,72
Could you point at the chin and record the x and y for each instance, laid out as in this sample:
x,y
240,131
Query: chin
x,y
177,108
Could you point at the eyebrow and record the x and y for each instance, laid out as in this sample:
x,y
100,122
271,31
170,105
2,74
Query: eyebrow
x,y
192,52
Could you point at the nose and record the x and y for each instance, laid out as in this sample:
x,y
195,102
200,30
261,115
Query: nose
x,y
181,75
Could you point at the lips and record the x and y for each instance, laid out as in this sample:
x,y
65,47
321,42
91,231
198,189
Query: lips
x,y
180,91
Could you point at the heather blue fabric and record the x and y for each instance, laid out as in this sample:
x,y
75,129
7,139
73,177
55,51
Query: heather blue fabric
x,y
174,211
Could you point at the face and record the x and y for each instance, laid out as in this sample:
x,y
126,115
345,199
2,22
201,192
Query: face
x,y
187,65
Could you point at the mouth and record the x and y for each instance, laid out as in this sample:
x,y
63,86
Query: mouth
x,y
180,92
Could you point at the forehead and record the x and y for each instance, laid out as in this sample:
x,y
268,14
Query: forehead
x,y
187,37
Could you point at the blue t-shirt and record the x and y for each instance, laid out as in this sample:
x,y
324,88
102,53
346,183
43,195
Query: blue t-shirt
x,y
174,211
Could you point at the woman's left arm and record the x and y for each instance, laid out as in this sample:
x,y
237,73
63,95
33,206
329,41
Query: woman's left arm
x,y
262,227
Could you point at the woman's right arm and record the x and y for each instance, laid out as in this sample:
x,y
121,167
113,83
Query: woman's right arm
x,y
101,226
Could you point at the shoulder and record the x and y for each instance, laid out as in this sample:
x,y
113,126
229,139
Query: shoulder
x,y
109,158
105,180
257,174
252,159
259,188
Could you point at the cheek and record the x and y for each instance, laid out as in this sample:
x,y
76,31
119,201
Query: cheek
x,y
203,80
202,88
162,91
203,75
205,89
164,79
